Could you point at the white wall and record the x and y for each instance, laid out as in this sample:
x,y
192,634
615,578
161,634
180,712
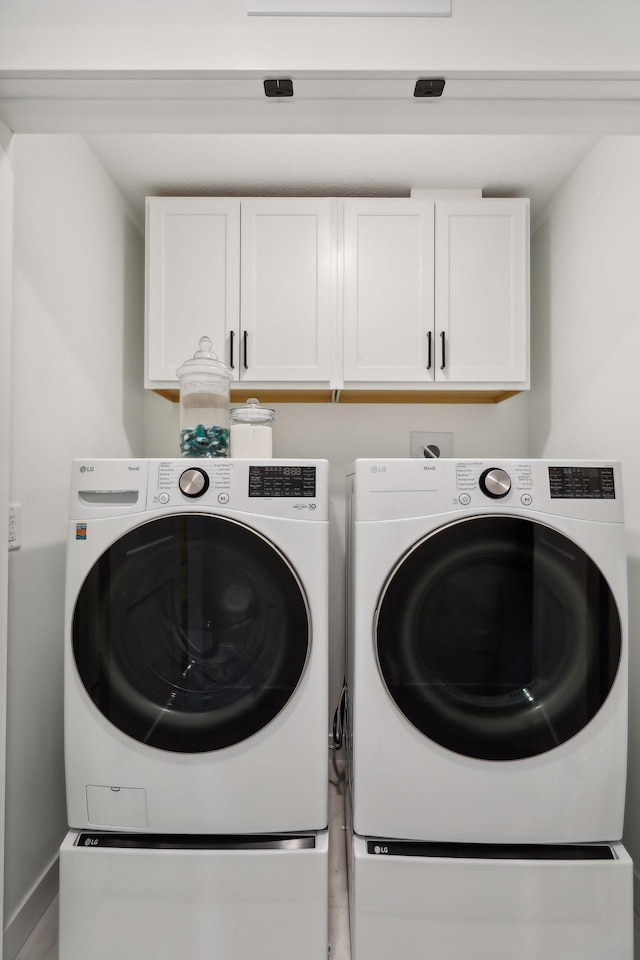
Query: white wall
x,y
76,365
481,35
585,398
6,263
343,432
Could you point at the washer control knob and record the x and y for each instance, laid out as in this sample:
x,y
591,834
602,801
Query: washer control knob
x,y
193,482
495,483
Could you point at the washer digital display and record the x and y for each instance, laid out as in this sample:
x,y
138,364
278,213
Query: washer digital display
x,y
581,483
282,481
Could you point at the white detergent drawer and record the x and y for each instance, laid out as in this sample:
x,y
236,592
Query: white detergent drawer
x,y
412,905
162,896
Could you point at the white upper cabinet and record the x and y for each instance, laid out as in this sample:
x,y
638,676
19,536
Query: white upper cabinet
x,y
193,280
481,290
442,300
411,294
257,276
288,288
388,290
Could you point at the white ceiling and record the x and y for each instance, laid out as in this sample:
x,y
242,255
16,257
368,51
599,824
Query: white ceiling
x,y
142,165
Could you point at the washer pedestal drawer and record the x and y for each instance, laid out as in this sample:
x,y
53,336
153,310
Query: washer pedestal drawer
x,y
232,898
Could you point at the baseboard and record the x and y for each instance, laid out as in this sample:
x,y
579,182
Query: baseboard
x,y
25,918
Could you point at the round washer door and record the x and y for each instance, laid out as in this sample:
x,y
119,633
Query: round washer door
x,y
191,633
498,637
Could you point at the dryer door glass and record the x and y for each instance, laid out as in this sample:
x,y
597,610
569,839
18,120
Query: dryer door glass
x,y
191,633
498,637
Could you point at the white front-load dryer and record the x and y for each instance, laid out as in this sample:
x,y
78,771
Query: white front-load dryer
x,y
196,646
487,657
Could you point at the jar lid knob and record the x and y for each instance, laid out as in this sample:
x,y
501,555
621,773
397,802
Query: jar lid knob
x,y
205,349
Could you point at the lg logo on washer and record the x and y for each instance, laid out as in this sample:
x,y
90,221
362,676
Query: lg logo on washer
x,y
84,469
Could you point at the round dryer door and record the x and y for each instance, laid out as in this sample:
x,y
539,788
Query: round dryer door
x,y
498,637
191,633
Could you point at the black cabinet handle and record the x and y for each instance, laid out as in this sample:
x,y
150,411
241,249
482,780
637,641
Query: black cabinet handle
x,y
245,337
429,350
444,355
231,338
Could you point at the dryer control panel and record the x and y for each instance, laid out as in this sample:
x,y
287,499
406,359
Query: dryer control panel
x,y
393,489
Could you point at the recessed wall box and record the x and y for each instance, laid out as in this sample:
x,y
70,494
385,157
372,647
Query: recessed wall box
x,y
430,445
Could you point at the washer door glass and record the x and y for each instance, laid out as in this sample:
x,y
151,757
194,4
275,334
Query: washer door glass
x,y
191,633
498,637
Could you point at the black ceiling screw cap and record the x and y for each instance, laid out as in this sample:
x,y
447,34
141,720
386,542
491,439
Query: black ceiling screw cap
x,y
429,88
278,88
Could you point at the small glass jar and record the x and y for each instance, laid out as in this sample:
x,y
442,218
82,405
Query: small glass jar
x,y
204,404
251,434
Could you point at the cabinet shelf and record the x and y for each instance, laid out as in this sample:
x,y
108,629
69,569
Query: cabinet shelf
x,y
362,396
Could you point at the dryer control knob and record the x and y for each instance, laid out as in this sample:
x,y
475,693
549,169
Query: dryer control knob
x,y
193,482
495,483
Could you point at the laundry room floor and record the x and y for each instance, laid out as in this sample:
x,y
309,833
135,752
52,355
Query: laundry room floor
x,y
43,942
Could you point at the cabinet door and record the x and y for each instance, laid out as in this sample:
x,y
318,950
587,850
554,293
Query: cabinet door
x,y
481,258
288,288
388,290
193,280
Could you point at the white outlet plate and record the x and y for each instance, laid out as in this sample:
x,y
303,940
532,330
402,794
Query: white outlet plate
x,y
15,525
431,444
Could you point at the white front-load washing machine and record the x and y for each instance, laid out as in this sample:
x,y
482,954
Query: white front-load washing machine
x,y
196,646
487,660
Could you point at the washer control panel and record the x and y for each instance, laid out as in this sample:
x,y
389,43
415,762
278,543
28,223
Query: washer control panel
x,y
284,488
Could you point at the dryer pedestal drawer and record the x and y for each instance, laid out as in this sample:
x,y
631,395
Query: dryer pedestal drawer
x,y
404,904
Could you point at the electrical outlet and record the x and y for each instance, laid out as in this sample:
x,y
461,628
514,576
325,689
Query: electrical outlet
x,y
431,445
14,526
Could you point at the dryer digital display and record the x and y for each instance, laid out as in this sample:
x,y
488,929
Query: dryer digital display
x,y
581,483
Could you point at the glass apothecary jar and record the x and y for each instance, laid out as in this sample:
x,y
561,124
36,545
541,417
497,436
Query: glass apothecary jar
x,y
204,404
251,431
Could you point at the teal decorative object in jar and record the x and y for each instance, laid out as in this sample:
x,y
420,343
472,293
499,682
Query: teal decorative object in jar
x,y
204,404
